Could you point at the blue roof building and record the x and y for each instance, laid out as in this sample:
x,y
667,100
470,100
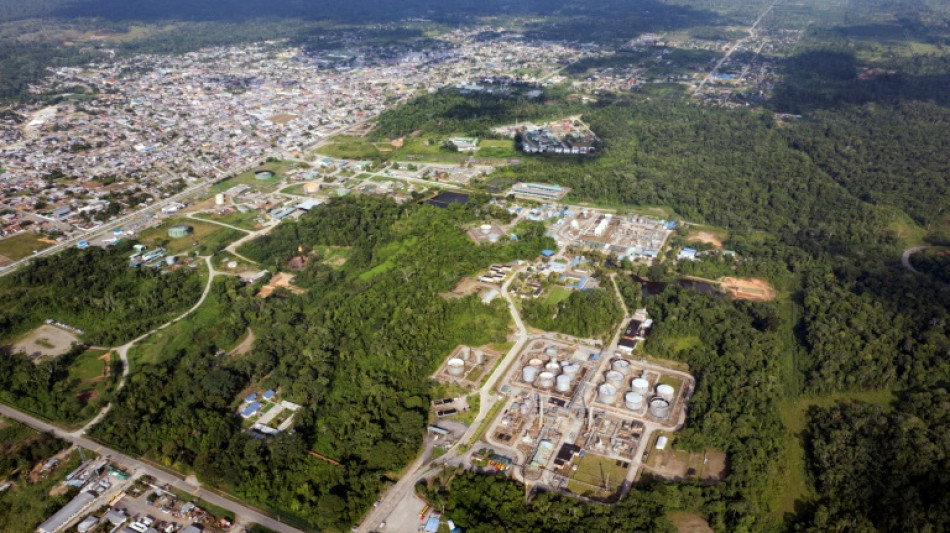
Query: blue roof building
x,y
432,525
547,253
251,410
252,397
268,394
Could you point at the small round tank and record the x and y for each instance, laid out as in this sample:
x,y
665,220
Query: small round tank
x,y
465,352
530,373
486,229
170,260
553,366
455,367
535,362
546,380
641,386
615,378
571,369
219,199
606,393
666,392
563,383
633,401
622,366
478,357
659,408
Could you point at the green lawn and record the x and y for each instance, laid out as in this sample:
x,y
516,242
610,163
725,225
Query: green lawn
x,y
246,220
20,246
345,147
210,237
279,168
87,366
685,342
556,295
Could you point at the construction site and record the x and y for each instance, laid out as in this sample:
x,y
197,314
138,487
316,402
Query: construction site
x,y
578,418
630,236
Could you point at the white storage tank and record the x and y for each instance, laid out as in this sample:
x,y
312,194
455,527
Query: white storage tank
x,y
571,369
666,392
641,386
659,408
615,378
486,229
536,362
455,367
530,373
563,383
633,401
622,366
553,366
465,352
546,380
478,357
607,393
219,199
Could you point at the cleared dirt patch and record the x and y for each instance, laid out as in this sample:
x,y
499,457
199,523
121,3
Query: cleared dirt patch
x,y
45,341
705,236
467,287
245,345
282,280
748,289
689,523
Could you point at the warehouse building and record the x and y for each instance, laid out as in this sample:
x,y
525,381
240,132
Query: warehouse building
x,y
67,513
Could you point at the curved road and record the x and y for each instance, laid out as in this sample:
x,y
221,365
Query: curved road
x,y
905,257
123,350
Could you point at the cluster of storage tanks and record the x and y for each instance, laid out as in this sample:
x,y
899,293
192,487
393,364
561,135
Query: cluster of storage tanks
x,y
659,403
456,365
557,375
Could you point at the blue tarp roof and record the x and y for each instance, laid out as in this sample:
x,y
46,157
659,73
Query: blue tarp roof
x,y
547,253
433,524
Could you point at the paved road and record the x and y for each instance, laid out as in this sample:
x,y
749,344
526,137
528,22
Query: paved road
x,y
905,258
421,467
736,45
162,477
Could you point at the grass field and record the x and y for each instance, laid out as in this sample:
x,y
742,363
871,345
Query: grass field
x,y
793,415
556,295
345,147
246,221
210,237
20,246
279,168
87,375
599,471
685,342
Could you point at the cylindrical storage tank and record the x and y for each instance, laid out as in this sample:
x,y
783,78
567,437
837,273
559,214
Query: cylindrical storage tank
x,y
219,199
614,378
571,369
529,373
478,357
659,408
563,383
641,386
494,237
465,352
633,401
553,366
607,393
666,392
170,260
621,365
535,362
456,367
486,229
546,380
